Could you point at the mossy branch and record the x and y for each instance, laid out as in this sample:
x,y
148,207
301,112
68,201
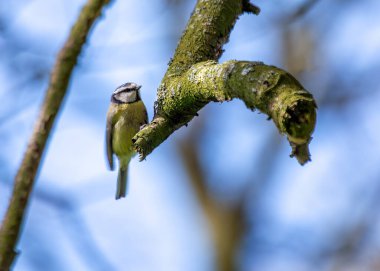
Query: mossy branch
x,y
267,88
24,180
194,78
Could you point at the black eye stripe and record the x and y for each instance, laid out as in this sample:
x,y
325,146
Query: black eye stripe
x,y
125,97
119,90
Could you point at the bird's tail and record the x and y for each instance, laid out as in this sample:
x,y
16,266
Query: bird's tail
x,y
122,179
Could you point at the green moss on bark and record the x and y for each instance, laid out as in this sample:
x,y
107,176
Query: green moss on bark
x,y
207,31
266,88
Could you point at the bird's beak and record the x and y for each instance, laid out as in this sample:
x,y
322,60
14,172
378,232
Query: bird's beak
x,y
138,87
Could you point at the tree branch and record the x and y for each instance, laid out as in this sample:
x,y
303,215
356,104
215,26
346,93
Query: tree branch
x,y
24,180
207,31
267,88
194,79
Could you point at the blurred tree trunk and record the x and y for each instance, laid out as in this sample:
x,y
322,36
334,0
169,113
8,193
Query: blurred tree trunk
x,y
226,222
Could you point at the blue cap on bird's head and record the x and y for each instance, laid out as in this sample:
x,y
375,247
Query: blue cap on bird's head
x,y
126,93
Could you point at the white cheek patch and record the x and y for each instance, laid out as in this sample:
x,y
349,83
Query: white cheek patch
x,y
126,97
131,97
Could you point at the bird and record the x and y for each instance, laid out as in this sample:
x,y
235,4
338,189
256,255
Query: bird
x,y
125,117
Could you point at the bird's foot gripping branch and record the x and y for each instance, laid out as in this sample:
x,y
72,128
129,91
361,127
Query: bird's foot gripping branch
x,y
266,88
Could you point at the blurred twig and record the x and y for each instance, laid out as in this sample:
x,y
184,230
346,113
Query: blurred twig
x,y
301,11
24,180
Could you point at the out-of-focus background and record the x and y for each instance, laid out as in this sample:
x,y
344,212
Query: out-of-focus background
x,y
221,194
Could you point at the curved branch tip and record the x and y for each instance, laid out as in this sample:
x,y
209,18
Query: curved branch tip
x,y
269,89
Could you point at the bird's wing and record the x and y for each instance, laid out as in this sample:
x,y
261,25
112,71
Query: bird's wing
x,y
146,116
109,131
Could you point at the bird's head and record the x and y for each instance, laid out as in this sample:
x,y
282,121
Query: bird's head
x,y
126,94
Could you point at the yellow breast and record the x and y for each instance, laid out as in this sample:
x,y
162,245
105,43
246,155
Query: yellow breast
x,y
129,118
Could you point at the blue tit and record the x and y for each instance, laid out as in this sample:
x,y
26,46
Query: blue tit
x,y
126,114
